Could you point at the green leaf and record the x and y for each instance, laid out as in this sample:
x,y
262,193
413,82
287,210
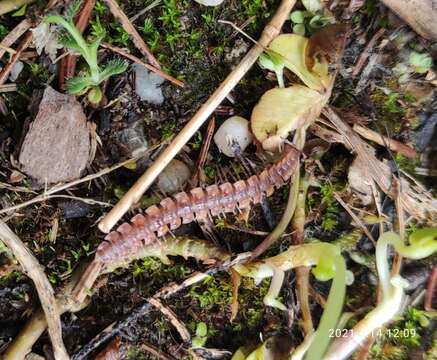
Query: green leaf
x,y
421,62
20,12
78,84
68,42
201,329
292,48
298,16
73,10
266,61
113,67
299,29
312,5
320,21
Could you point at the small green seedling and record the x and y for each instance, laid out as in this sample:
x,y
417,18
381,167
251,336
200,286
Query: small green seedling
x,y
421,244
73,39
201,335
420,62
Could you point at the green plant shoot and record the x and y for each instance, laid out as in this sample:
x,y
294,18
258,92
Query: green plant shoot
x,y
73,39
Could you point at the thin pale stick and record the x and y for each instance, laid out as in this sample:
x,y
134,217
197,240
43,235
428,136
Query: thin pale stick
x,y
161,73
355,217
203,153
58,188
130,29
45,291
14,35
392,144
170,315
8,67
146,180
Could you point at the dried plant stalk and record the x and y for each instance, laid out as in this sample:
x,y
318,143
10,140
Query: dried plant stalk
x,y
45,291
130,29
14,35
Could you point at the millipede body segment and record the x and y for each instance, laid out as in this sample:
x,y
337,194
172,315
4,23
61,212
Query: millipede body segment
x,y
197,204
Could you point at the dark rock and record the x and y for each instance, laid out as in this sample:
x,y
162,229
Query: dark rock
x,y
427,132
74,209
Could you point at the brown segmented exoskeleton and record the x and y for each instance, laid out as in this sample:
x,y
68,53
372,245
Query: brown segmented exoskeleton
x,y
185,207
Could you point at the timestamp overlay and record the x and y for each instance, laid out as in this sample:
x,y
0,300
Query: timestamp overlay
x,y
390,333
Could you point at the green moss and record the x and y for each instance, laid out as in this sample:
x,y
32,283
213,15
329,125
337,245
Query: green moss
x,y
213,291
406,164
330,212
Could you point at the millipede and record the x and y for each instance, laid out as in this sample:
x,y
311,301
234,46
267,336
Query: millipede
x,y
198,204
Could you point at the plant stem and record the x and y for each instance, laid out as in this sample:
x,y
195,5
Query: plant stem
x,y
332,311
299,142
302,273
43,287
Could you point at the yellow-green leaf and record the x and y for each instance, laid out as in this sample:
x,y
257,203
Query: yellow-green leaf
x,y
282,110
292,48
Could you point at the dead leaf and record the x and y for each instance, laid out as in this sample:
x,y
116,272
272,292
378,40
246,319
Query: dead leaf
x,y
282,110
45,37
326,45
293,49
57,145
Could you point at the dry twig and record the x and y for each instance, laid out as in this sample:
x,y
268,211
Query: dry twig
x,y
161,73
392,144
57,188
366,53
203,154
169,314
415,200
144,182
36,325
130,29
430,289
45,291
8,67
165,293
14,35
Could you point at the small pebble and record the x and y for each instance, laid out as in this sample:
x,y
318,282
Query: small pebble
x,y
233,136
148,85
174,177
209,2
16,71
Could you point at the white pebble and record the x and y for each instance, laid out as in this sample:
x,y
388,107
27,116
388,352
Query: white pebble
x,y
16,71
147,85
233,136
174,177
209,2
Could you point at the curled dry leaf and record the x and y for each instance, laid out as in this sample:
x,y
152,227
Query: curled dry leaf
x,y
282,110
45,37
325,46
293,49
